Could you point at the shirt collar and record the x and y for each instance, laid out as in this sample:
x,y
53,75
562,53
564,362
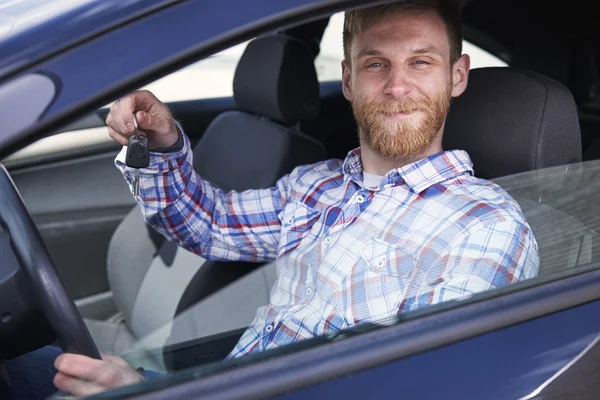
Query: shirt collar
x,y
418,175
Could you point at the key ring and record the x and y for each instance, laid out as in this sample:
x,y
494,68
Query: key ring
x,y
135,125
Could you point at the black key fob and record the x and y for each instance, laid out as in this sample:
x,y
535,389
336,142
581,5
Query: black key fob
x,y
138,154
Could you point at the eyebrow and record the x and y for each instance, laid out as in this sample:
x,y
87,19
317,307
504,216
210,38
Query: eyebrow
x,y
418,51
368,52
426,50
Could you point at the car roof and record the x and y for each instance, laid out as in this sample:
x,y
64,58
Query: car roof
x,y
18,15
71,22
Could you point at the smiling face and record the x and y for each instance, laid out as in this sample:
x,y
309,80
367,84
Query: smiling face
x,y
399,79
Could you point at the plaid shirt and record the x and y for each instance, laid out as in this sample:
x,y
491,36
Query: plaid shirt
x,y
346,254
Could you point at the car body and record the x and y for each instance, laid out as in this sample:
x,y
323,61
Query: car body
x,y
536,339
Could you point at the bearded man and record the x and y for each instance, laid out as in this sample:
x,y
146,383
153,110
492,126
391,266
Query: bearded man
x,y
398,225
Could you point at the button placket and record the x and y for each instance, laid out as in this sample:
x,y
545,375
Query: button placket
x,y
380,263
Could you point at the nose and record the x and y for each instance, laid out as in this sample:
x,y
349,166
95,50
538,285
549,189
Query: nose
x,y
398,83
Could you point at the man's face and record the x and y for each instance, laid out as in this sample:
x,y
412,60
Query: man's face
x,y
400,82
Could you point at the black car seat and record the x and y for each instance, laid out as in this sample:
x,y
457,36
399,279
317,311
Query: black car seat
x,y
275,87
513,121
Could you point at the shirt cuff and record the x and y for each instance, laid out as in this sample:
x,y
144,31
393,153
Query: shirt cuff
x,y
160,163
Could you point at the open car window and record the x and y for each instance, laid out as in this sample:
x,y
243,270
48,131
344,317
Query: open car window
x,y
206,332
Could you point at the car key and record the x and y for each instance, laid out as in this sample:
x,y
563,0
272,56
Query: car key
x,y
138,155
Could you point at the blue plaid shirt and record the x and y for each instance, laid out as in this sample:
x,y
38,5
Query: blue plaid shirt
x,y
346,254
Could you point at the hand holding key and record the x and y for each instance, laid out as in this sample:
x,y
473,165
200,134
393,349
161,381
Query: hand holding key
x,y
153,118
142,123
138,155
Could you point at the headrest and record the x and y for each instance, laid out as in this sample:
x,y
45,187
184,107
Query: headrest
x,y
276,78
511,120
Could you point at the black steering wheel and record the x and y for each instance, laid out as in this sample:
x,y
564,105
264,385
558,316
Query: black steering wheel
x,y
51,295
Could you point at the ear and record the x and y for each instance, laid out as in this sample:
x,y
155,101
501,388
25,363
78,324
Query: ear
x,y
460,75
346,84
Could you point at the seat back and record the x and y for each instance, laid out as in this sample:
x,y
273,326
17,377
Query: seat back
x,y
275,88
511,121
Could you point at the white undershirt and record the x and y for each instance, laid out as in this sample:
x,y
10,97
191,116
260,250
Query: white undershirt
x,y
371,180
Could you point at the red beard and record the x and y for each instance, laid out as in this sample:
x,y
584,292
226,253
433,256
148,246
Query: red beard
x,y
402,138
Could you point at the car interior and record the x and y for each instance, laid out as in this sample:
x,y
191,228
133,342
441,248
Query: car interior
x,y
147,298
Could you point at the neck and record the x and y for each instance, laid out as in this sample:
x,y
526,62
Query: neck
x,y
374,163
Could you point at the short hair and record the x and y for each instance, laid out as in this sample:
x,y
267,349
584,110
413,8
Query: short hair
x,y
449,10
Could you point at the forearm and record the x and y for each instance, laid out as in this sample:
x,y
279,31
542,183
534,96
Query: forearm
x,y
180,205
495,256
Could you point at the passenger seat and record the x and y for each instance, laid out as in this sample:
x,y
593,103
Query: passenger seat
x,y
275,88
513,121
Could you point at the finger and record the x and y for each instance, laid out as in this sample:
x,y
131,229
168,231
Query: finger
x,y
145,100
148,122
127,106
116,119
117,360
76,386
110,121
77,365
108,375
119,138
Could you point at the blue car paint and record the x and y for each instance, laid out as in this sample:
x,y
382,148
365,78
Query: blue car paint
x,y
509,363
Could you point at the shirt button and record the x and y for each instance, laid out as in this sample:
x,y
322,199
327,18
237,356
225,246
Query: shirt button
x,y
381,263
308,291
269,328
360,199
328,239
290,220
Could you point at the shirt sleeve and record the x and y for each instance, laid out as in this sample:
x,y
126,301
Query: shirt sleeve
x,y
489,257
180,205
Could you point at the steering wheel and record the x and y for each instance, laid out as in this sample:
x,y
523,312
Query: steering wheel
x,y
53,299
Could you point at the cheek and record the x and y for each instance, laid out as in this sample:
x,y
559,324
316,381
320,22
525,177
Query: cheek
x,y
365,88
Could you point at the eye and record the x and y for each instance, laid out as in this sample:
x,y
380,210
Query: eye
x,y
422,62
375,65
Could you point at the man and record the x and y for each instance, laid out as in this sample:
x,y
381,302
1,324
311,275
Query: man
x,y
398,225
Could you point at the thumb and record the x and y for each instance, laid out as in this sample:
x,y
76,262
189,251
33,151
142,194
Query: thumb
x,y
148,122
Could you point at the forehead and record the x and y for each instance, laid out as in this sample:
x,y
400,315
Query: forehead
x,y
402,30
